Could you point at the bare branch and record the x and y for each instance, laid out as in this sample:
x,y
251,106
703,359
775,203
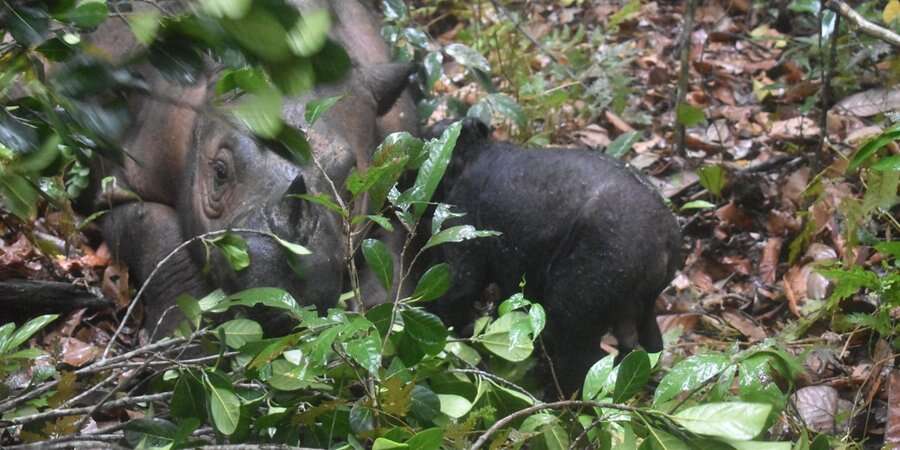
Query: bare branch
x,y
864,25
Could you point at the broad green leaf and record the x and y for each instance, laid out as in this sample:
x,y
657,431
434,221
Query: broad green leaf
x,y
458,233
712,178
241,331
272,297
538,318
425,329
331,63
442,212
317,107
759,445
600,379
292,145
86,14
232,9
261,34
144,25
190,307
454,406
151,433
224,405
29,26
310,33
434,68
627,11
362,418
498,105
502,345
393,9
378,257
26,331
189,398
382,222
429,439
622,144
731,420
432,170
634,372
367,352
689,374
235,250
20,195
516,301
688,115
464,352
424,404
288,376
212,301
260,111
5,332
891,163
434,283
660,440
468,57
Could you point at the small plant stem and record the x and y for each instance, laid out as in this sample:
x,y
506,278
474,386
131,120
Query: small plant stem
x,y
827,74
127,401
684,74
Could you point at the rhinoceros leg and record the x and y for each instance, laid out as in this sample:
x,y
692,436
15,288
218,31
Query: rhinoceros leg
x,y
141,235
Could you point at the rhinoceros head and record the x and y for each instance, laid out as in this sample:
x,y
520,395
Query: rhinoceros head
x,y
232,181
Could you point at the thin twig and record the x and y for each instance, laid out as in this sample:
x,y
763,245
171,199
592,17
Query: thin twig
x,y
828,72
864,25
127,401
680,132
499,379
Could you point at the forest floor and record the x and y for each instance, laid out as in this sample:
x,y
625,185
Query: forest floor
x,y
760,183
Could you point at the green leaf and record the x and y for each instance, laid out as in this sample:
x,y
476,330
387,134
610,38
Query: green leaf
x,y
393,9
296,249
238,332
454,406
367,352
26,331
688,115
634,372
86,14
292,145
441,213
189,398
759,445
378,257
434,68
619,147
630,9
382,221
498,105
537,318
260,111
503,345
190,307
387,444
331,63
689,374
871,147
362,418
29,26
468,57
891,163
151,433
232,9
320,199
697,204
144,25
317,107
272,297
291,377
732,420
310,33
458,233
712,178
425,329
261,34
424,404
464,352
20,195
432,170
224,404
235,250
434,283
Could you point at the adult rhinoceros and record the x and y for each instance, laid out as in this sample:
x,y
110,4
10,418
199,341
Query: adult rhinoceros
x,y
195,173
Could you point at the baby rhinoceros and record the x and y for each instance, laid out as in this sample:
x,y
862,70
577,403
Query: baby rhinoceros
x,y
591,237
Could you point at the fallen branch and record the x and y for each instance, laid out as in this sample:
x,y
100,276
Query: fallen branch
x,y
53,414
869,28
48,296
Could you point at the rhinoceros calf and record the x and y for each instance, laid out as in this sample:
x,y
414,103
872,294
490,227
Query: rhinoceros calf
x,y
592,239
195,173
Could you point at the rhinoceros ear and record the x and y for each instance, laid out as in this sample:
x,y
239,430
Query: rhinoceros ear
x,y
386,82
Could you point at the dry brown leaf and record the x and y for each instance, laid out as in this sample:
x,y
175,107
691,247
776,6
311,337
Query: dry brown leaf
x,y
593,136
798,128
77,353
617,122
744,324
115,284
817,406
869,103
781,223
733,215
794,282
768,264
687,322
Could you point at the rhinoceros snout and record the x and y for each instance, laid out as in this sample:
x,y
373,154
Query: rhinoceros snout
x,y
285,211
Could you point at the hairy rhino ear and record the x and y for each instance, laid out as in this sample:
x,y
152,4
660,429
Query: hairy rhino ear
x,y
386,82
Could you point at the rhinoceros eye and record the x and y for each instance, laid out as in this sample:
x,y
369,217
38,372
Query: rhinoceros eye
x,y
220,171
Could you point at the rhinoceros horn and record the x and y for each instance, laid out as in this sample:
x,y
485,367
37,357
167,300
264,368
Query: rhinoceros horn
x,y
386,82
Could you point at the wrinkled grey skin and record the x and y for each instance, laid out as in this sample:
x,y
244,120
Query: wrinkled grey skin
x,y
592,239
196,173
